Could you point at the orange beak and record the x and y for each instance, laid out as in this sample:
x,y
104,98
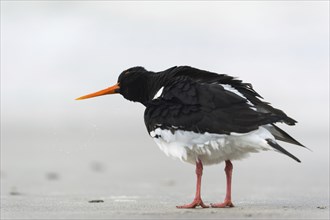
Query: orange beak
x,y
107,91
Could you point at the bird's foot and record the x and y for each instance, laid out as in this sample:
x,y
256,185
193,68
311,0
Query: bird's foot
x,y
194,204
225,204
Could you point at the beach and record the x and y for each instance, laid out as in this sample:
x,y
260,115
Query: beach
x,y
268,185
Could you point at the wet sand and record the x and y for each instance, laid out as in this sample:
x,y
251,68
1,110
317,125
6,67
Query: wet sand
x,y
135,180
77,207
141,193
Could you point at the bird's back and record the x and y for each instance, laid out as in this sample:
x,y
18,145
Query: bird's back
x,y
202,103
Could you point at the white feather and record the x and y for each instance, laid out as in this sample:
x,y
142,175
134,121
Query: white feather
x,y
159,93
233,90
211,148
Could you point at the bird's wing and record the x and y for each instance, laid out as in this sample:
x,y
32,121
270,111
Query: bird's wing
x,y
203,107
245,89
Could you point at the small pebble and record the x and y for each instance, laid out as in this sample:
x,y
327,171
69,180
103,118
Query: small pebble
x,y
96,201
321,207
14,193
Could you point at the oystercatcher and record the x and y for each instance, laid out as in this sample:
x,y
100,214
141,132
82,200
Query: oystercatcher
x,y
203,118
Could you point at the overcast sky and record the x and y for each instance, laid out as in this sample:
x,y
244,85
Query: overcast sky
x,y
53,52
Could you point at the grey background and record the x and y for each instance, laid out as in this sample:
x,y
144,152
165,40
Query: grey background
x,y
55,51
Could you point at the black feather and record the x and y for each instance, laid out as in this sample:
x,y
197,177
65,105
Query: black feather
x,y
281,135
281,149
246,89
201,107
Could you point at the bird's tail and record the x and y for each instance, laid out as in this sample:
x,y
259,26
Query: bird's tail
x,y
281,135
277,147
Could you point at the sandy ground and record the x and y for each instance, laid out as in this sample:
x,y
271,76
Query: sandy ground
x,y
136,180
158,201
156,206
144,197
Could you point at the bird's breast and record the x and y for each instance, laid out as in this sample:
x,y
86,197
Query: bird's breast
x,y
211,148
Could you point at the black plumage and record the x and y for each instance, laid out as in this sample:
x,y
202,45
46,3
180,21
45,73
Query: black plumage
x,y
203,108
195,100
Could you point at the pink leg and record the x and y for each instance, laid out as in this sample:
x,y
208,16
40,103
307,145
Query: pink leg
x,y
198,200
227,202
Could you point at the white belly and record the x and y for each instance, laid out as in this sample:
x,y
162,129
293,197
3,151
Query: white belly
x,y
211,148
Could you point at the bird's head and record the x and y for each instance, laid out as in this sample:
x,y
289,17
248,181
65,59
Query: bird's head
x,y
133,84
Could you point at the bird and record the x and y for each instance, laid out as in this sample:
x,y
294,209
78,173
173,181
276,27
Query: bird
x,y
203,118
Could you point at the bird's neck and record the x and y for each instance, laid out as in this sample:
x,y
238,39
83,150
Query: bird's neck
x,y
154,83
